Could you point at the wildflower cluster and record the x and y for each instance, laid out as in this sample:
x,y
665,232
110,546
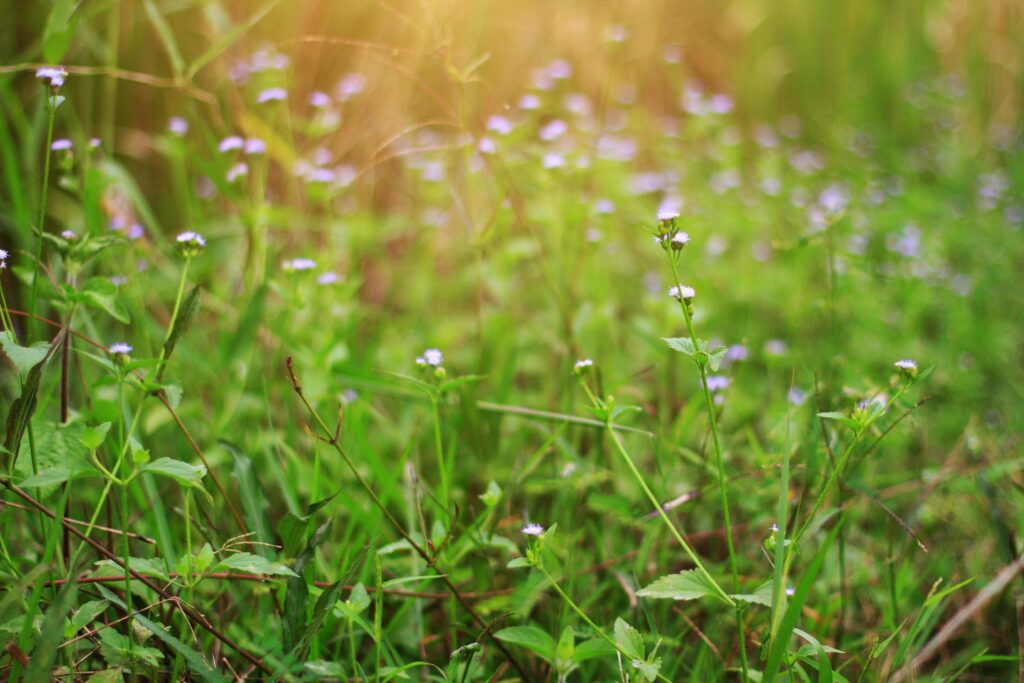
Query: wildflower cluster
x,y
52,77
3,259
669,236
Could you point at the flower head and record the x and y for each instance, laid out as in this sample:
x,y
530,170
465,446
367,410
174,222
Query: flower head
x,y
3,259
230,143
190,243
255,146
61,145
533,529
679,240
907,367
682,293
272,95
297,264
52,76
120,349
177,126
430,357
582,366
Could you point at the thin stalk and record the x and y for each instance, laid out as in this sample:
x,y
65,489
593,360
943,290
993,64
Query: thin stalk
x,y
720,464
664,516
51,106
439,449
829,483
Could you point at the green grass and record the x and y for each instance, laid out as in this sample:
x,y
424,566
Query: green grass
x,y
279,481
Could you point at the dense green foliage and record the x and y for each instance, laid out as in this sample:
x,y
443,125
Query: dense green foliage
x,y
435,403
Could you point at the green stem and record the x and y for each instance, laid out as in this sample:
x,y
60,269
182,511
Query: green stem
x,y
174,317
664,515
51,105
439,448
719,462
829,483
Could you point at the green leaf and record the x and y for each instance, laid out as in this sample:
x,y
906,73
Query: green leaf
x,y
530,637
683,345
254,500
44,654
715,358
59,30
593,648
648,669
186,314
254,564
838,417
565,649
629,640
106,676
84,616
688,585
147,566
201,561
762,595
188,476
24,358
93,437
57,475
117,650
101,293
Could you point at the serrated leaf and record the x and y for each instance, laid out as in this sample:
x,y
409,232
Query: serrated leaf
x,y
189,476
101,293
715,358
761,596
629,640
688,585
93,437
682,345
254,564
84,616
532,638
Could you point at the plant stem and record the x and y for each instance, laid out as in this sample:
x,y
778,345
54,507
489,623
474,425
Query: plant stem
x,y
719,462
51,106
439,449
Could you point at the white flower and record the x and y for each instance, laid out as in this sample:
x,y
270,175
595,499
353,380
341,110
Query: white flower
x,y
61,145
239,170
190,243
189,237
328,278
3,254
682,293
582,364
52,76
272,95
907,367
231,143
120,349
351,84
499,125
69,235
680,240
320,100
299,264
717,383
255,146
790,591
533,529
178,126
553,130
529,102
432,357
667,214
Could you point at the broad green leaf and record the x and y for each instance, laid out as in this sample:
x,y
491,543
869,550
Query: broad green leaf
x,y
84,616
101,293
147,566
688,585
682,345
189,476
57,475
93,437
117,650
593,648
629,640
106,676
532,638
24,358
762,595
254,564
565,649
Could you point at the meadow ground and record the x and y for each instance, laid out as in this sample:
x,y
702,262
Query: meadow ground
x,y
537,341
